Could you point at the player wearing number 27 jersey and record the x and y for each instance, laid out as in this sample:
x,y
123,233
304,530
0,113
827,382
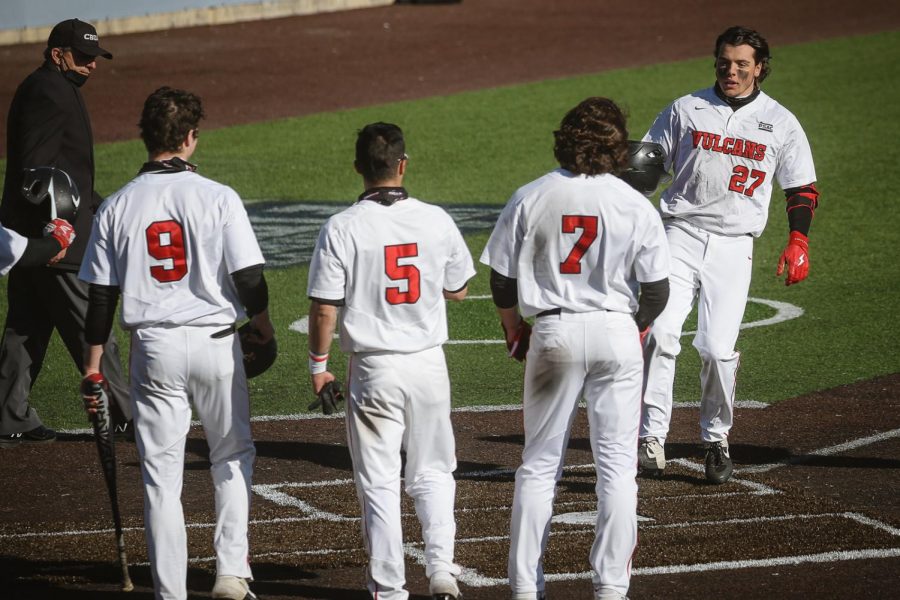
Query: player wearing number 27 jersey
x,y
726,146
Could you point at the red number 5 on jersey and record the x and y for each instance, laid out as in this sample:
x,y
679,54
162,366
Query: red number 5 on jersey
x,y
165,242
398,272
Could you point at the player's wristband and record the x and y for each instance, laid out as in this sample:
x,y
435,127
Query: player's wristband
x,y
318,363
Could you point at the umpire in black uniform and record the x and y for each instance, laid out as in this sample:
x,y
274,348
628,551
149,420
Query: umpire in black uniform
x,y
48,125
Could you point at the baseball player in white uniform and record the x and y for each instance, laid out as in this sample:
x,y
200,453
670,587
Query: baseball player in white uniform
x,y
389,262
180,249
585,254
726,145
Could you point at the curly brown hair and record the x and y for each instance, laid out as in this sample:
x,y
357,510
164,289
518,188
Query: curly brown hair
x,y
168,116
592,138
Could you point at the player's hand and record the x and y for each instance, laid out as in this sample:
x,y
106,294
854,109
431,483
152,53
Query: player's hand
x,y
62,231
796,257
518,340
58,257
261,328
328,396
643,334
93,385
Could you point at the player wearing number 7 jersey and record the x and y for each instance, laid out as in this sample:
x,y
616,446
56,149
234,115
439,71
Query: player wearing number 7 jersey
x,y
181,251
585,254
390,262
725,145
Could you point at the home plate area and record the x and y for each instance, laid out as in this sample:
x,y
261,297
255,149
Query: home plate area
x,y
686,526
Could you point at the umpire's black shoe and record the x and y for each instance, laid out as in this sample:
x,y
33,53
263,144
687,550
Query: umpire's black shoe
x,y
38,435
10,440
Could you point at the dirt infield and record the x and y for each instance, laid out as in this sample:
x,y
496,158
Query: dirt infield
x,y
811,512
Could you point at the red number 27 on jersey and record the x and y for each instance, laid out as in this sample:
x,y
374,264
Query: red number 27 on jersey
x,y
397,272
165,242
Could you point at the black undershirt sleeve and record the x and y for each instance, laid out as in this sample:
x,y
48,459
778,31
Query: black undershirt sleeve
x,y
102,301
801,203
504,290
651,303
39,251
252,289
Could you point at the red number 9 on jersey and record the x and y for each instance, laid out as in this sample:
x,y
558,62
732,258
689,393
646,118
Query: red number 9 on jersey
x,y
165,242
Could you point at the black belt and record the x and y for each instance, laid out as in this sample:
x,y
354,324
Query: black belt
x,y
225,332
549,313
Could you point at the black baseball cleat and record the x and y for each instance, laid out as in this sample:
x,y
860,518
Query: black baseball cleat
x,y
718,462
38,435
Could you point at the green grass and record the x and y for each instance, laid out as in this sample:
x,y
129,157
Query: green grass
x,y
479,147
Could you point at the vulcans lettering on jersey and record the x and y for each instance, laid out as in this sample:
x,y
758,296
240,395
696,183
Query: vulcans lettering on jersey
x,y
734,146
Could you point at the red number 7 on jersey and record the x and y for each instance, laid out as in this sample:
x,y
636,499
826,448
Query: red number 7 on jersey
x,y
588,226
398,272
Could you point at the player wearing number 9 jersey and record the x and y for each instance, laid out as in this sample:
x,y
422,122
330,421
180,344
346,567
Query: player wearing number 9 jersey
x,y
585,254
180,249
726,145
390,262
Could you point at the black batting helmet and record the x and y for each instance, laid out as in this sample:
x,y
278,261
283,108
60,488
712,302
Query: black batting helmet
x,y
646,167
257,357
53,190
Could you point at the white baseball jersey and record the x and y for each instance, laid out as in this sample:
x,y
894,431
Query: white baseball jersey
x,y
724,160
580,243
166,239
390,265
12,247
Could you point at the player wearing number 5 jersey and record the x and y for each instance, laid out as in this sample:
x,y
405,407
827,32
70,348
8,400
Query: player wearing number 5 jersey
x,y
180,249
585,254
390,262
726,145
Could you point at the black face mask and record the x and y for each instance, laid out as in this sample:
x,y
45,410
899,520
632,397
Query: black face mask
x,y
75,77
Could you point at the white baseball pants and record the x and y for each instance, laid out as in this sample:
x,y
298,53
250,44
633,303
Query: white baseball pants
x,y
716,270
171,368
595,356
402,401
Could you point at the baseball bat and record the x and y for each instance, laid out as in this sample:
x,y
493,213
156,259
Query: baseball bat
x,y
101,421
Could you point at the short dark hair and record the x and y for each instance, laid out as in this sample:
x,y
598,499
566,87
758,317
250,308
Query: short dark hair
x,y
592,138
738,36
168,116
379,147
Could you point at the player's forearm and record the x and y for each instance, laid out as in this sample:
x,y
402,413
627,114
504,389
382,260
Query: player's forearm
x,y
92,356
509,318
322,322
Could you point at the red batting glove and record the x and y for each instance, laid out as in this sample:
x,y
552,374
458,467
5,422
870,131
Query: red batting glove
x,y
92,387
62,230
518,342
643,334
796,256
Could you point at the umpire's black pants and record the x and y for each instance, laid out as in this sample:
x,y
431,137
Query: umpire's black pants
x,y
42,299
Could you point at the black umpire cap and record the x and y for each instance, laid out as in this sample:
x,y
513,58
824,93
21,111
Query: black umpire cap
x,y
82,36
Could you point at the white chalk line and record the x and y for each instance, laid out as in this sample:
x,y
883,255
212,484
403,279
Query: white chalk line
x,y
783,312
829,451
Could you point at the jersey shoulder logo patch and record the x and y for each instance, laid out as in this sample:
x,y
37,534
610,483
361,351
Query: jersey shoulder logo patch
x,y
765,126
